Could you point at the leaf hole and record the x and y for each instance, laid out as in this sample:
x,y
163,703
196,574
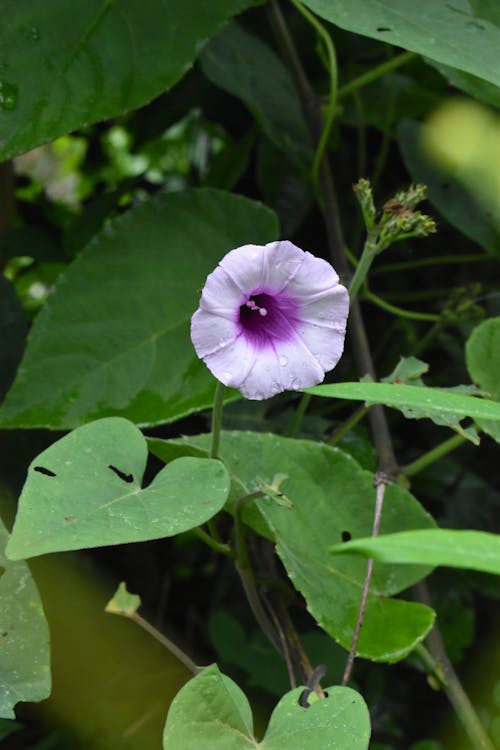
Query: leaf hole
x,y
383,28
346,536
70,518
44,471
125,477
5,634
2,571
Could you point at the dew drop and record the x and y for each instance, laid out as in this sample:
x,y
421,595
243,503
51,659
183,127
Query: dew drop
x,y
34,33
8,95
283,360
296,384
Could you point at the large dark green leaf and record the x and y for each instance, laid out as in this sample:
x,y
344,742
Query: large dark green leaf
x,y
446,32
13,330
85,491
113,338
329,497
67,64
24,636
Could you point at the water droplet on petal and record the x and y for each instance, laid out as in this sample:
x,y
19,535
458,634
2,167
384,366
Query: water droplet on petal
x,y
296,384
283,360
8,95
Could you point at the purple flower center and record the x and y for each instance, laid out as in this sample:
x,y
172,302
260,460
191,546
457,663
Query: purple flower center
x,y
266,317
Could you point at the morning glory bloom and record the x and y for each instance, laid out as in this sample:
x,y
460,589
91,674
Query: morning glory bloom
x,y
271,318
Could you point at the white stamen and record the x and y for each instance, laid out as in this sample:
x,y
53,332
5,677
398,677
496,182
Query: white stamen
x,y
252,306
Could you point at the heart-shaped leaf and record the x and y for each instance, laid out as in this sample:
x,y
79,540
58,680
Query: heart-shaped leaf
x,y
85,491
328,498
211,711
24,636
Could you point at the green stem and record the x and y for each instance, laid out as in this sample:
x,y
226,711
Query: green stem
x,y
209,540
433,455
399,311
217,420
375,73
299,413
332,97
361,272
353,420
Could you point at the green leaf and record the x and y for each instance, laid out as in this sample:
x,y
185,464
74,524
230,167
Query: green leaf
x,y
476,550
211,711
408,372
113,337
112,58
485,91
448,195
123,602
442,401
85,491
242,64
482,355
445,32
24,636
329,496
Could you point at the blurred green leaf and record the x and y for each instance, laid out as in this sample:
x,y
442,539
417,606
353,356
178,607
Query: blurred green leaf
x,y
13,330
85,491
24,636
447,194
112,58
113,337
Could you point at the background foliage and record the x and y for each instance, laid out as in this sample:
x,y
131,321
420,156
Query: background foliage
x,y
140,142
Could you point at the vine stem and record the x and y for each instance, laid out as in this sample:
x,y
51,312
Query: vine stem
x,y
375,73
447,677
381,482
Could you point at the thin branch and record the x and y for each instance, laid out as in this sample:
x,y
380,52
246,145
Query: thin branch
x,y
381,482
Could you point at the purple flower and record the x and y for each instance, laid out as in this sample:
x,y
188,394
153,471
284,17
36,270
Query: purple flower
x,y
271,318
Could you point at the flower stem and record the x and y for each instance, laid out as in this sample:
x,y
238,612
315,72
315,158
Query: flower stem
x,y
299,413
446,675
433,455
372,75
217,420
434,260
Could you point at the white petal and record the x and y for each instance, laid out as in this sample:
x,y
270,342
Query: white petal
x,y
316,278
288,367
221,295
211,333
231,364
